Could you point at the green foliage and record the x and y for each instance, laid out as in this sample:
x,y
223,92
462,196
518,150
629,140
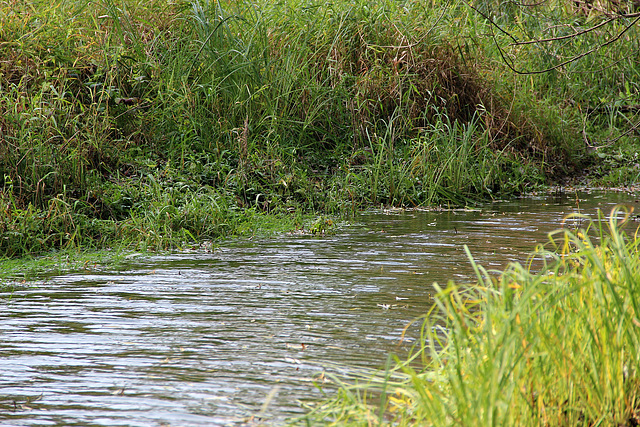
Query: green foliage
x,y
591,52
270,107
554,347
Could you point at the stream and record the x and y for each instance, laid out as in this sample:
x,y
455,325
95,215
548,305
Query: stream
x,y
216,338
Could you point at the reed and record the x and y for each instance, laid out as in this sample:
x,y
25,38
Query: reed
x,y
551,347
305,106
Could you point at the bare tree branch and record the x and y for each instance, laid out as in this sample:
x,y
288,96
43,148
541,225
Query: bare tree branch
x,y
560,65
577,33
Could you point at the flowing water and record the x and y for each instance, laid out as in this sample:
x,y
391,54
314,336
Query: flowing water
x,y
200,339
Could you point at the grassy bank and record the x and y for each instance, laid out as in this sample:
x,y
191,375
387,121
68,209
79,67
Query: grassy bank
x,y
155,124
556,347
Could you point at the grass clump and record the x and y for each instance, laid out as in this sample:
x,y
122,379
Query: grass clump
x,y
555,347
303,107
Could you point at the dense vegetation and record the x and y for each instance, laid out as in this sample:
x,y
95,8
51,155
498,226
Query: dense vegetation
x,y
552,348
154,124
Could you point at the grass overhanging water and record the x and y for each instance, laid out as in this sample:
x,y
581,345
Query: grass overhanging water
x,y
552,347
160,124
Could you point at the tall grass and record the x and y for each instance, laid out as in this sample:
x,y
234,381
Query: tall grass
x,y
552,347
272,106
593,91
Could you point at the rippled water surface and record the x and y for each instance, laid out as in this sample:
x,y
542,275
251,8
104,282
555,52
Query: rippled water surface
x,y
201,339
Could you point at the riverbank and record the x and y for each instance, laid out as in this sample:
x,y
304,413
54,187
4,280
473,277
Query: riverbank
x,y
155,125
211,336
554,347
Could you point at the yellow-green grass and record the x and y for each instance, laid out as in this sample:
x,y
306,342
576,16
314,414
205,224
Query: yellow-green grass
x,y
554,347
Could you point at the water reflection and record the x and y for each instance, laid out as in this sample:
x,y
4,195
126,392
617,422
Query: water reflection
x,y
202,339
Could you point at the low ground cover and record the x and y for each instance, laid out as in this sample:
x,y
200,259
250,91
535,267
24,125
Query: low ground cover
x,y
552,347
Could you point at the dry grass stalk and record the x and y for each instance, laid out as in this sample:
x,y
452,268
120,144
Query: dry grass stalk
x,y
243,142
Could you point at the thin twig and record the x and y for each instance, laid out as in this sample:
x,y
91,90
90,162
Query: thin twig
x,y
411,45
492,22
609,142
577,33
605,12
568,61
573,59
529,4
